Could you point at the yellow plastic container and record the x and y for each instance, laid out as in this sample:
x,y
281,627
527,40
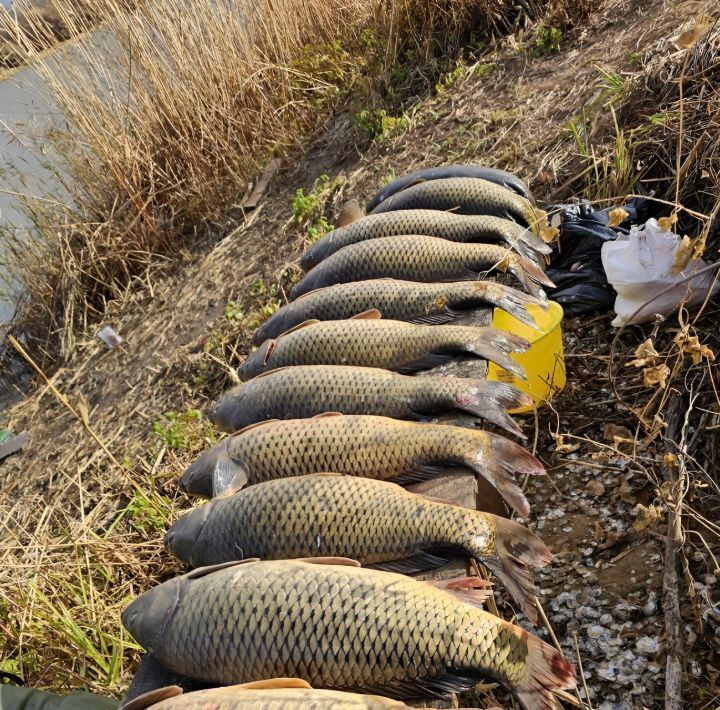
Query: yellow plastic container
x,y
544,362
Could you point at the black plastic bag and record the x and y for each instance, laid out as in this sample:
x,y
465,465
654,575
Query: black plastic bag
x,y
575,264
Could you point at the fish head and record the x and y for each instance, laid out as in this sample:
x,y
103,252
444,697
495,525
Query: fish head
x,y
273,326
256,363
147,617
228,413
184,535
197,478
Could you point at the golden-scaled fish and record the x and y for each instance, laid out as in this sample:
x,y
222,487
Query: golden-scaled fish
x,y
469,196
433,223
275,694
367,340
499,177
418,258
359,445
341,627
308,390
411,301
377,523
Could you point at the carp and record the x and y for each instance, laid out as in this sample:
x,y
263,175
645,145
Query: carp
x,y
499,177
432,223
410,301
470,196
341,627
308,390
377,523
366,340
367,446
419,258
275,694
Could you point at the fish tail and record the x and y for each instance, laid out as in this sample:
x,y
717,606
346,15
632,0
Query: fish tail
x,y
530,276
517,551
494,345
501,463
547,670
532,241
489,400
510,300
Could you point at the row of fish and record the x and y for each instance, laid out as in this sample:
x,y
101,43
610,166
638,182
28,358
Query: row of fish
x,y
308,487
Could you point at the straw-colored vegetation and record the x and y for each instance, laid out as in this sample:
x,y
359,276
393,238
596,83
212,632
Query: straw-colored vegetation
x,y
172,108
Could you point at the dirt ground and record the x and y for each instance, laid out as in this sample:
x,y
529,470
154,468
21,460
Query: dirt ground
x,y
64,504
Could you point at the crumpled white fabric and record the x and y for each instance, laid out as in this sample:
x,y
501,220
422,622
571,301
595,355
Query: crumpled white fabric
x,y
639,266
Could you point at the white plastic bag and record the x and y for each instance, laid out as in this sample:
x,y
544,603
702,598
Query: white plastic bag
x,y
639,266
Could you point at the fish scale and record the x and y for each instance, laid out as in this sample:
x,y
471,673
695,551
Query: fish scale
x,y
374,522
465,196
389,632
388,344
416,258
410,301
432,223
358,445
308,390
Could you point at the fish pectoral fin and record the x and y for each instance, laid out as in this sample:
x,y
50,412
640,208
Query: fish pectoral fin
x,y
274,683
422,472
426,362
419,562
370,314
152,697
469,590
300,326
210,569
446,315
350,212
228,477
439,687
322,415
340,561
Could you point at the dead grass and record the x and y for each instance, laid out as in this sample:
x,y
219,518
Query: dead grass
x,y
171,109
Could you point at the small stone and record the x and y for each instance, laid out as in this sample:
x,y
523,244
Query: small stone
x,y
650,607
595,488
654,668
606,619
647,645
640,664
597,632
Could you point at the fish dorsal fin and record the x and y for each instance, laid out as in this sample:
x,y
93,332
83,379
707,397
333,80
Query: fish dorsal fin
x,y
371,314
152,697
256,425
210,569
274,683
469,590
351,212
300,326
323,415
341,561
